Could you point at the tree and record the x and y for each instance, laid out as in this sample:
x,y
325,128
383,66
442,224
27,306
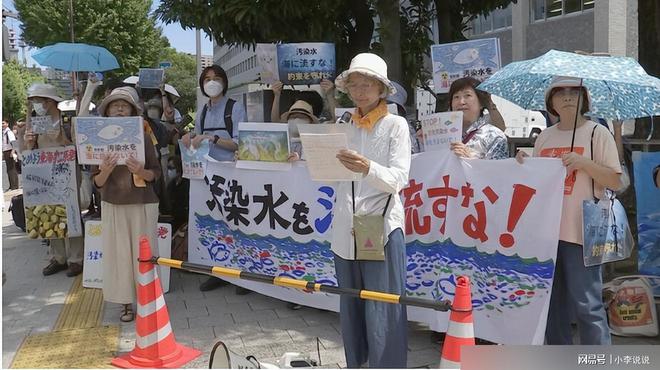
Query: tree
x,y
124,27
183,76
348,24
15,81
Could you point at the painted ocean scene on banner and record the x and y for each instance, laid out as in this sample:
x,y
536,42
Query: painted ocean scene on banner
x,y
499,282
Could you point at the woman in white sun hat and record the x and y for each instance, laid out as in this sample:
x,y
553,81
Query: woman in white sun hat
x,y
368,219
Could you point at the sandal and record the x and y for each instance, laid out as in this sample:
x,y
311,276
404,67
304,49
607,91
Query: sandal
x,y
127,314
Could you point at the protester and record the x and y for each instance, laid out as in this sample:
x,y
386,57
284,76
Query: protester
x,y
9,155
576,287
481,139
379,145
218,123
66,253
130,206
300,113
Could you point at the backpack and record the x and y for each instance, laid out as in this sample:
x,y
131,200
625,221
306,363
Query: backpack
x,y
17,211
229,123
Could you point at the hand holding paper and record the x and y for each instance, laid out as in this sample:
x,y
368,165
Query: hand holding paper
x,y
354,161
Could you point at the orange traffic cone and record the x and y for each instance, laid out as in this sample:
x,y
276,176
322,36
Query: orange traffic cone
x,y
155,346
460,331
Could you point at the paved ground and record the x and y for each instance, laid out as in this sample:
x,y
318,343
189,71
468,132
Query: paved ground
x,y
251,324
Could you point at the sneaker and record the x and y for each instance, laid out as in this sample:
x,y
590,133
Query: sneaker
x,y
54,267
242,291
212,283
74,269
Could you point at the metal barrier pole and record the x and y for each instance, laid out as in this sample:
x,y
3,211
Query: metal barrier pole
x,y
301,284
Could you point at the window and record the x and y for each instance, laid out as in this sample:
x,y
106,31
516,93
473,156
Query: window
x,y
497,19
541,10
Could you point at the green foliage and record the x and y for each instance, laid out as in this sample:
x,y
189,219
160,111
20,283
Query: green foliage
x,y
346,23
416,45
15,81
124,27
183,76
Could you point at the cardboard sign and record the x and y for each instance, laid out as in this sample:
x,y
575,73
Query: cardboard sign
x,y
50,193
263,146
98,136
151,78
473,58
441,129
93,259
193,160
296,64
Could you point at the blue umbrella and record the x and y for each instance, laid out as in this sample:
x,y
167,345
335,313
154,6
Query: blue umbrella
x,y
619,86
76,57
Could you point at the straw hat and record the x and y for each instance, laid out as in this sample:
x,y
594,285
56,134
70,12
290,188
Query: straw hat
x,y
370,65
563,81
125,93
302,107
41,90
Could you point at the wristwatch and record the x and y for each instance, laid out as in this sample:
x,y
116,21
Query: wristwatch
x,y
215,139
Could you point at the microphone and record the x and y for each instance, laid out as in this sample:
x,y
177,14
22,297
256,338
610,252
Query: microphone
x,y
345,118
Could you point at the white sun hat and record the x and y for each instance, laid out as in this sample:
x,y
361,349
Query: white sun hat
x,y
565,81
126,93
370,65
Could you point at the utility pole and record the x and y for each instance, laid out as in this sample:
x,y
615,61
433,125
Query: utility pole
x,y
74,88
198,47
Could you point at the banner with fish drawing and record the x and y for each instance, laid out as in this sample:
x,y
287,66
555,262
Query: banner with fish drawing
x,y
478,58
647,189
50,193
296,64
494,221
97,136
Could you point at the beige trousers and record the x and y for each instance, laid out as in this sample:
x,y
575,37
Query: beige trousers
x,y
123,224
69,250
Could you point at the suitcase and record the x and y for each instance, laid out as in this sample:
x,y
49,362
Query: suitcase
x,y
17,211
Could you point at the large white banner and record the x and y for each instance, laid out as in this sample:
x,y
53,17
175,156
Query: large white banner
x,y
494,221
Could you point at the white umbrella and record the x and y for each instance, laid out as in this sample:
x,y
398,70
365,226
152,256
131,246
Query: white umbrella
x,y
70,105
132,80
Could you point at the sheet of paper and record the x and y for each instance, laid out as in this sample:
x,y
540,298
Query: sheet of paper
x,y
320,151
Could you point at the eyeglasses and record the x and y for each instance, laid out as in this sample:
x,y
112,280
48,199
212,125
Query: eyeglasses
x,y
365,86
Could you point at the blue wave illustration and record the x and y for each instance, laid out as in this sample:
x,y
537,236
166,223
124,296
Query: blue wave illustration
x,y
498,282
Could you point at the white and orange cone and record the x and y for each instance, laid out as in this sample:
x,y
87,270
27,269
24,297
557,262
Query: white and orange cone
x,y
155,346
461,329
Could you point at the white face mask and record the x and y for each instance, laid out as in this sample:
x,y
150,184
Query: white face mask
x,y
171,174
39,109
293,126
154,113
213,88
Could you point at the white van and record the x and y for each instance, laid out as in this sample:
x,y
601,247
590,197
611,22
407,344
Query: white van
x,y
520,123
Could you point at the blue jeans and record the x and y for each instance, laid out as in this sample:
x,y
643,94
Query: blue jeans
x,y
579,288
375,331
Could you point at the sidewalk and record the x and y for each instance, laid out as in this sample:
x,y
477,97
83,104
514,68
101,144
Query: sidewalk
x,y
251,325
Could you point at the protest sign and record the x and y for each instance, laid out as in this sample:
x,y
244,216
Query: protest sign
x,y
441,129
193,160
647,191
296,64
478,58
93,258
44,125
151,78
263,146
50,193
476,218
97,136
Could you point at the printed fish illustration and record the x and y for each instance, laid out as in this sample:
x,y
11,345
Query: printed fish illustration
x,y
466,56
111,132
